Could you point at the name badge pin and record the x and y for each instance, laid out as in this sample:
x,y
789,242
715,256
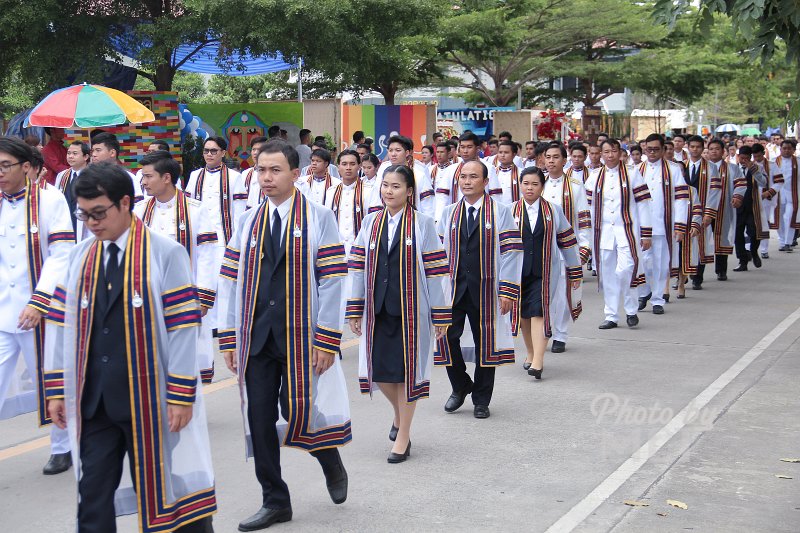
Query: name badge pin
x,y
137,300
409,242
84,301
372,245
182,226
297,233
488,226
34,228
224,196
252,243
358,209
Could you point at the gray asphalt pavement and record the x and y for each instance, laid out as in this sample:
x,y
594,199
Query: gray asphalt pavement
x,y
605,425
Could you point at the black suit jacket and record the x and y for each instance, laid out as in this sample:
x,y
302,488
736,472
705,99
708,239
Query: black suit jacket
x,y
107,365
270,312
532,242
387,273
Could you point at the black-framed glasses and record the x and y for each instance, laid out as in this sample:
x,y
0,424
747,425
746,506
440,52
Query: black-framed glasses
x,y
211,151
652,150
97,214
8,166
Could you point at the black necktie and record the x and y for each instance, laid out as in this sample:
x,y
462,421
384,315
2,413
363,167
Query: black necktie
x,y
276,233
694,173
470,220
112,266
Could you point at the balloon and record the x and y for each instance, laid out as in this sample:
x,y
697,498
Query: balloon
x,y
201,133
194,124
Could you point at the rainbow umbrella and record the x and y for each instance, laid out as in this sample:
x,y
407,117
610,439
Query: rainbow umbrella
x,y
87,106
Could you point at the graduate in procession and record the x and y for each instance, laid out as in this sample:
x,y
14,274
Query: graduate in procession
x,y
442,178
570,196
319,181
704,179
170,212
280,290
550,251
681,154
78,155
484,252
249,177
507,172
369,173
577,158
347,200
621,222
748,211
770,201
35,239
398,302
106,147
400,151
789,214
121,368
669,208
732,184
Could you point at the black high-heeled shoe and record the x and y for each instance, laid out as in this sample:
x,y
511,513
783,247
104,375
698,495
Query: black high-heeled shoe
x,y
393,433
526,365
535,372
395,458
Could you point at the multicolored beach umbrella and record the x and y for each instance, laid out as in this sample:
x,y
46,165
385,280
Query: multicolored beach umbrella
x,y
87,106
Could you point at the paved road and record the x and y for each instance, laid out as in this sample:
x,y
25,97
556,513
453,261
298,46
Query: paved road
x,y
604,425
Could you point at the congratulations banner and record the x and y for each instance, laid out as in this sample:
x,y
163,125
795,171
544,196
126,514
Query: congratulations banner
x,y
479,120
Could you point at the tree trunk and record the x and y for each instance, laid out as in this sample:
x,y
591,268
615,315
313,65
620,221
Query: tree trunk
x,y
165,74
587,92
388,91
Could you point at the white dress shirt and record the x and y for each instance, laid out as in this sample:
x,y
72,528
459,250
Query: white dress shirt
x,y
553,190
477,205
613,230
283,212
533,213
392,224
121,242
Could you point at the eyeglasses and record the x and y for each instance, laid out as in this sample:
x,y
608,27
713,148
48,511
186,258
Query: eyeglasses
x,y
5,168
652,150
211,151
97,214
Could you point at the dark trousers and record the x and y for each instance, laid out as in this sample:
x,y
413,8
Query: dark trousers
x,y
266,382
104,443
745,221
459,379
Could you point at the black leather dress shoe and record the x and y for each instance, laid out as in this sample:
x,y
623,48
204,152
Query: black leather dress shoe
x,y
264,518
722,277
756,261
456,399
393,433
643,300
558,347
608,324
336,481
741,268
765,256
481,411
58,462
535,372
632,321
658,309
395,458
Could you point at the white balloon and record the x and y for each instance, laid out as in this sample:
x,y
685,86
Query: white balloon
x,y
194,124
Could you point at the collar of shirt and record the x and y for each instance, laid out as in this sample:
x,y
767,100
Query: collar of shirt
x,y
350,187
554,178
716,164
502,168
283,209
121,242
319,179
477,205
15,196
614,170
395,219
165,205
532,207
214,170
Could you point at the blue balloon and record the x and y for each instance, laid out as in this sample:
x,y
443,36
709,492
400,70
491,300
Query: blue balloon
x,y
201,133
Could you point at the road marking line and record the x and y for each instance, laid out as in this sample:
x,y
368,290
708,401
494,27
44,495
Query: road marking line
x,y
41,442
575,516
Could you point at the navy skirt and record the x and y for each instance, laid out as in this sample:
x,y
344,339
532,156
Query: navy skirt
x,y
530,304
388,361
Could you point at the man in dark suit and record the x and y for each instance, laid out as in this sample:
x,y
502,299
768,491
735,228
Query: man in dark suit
x,y
746,209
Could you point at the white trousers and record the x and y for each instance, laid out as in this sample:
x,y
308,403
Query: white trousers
x,y
560,316
655,262
763,246
617,270
785,229
24,393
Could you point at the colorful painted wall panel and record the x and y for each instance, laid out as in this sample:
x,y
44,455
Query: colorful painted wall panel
x,y
479,120
382,121
238,123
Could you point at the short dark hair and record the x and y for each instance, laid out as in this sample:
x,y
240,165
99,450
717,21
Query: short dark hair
x,y
357,136
655,137
529,143
483,166
427,147
682,136
163,163
162,145
505,134
437,135
580,147
85,150
403,170
560,146
109,140
365,146
692,139
718,141
276,146
603,134
745,150
493,141
757,148
17,148
219,141
348,152
304,132
512,144
323,154
669,143
541,147
372,158
533,170
470,136
273,131
635,148
260,139
613,142
37,161
790,142
105,179
320,143
402,140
